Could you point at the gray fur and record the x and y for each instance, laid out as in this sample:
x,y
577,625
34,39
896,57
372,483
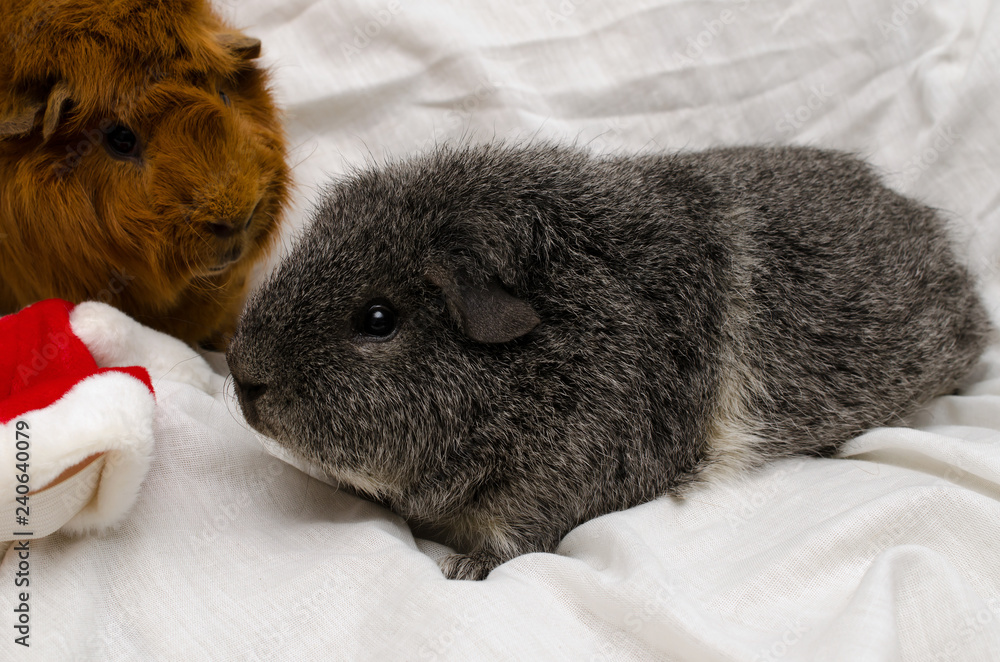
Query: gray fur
x,y
696,312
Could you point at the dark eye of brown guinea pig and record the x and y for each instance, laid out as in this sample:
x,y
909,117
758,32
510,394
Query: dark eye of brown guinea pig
x,y
378,320
121,142
224,97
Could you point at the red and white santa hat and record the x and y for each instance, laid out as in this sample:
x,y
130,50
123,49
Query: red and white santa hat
x,y
76,414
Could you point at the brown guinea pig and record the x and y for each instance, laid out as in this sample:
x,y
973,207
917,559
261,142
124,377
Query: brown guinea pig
x,y
142,162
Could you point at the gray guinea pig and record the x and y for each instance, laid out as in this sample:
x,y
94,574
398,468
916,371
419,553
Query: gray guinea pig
x,y
501,342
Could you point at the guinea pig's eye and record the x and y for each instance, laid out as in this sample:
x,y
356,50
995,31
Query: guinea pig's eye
x,y
121,142
379,320
224,97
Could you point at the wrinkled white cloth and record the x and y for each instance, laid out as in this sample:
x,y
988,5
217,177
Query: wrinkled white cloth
x,y
887,553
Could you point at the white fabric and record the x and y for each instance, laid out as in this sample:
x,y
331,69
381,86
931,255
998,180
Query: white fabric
x,y
889,553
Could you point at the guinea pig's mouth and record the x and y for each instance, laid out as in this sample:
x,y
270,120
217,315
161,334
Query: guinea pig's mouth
x,y
223,261
259,409
224,265
250,409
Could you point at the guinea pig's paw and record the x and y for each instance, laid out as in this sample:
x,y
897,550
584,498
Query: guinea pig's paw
x,y
115,340
476,565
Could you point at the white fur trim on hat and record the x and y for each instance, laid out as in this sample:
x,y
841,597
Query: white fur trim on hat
x,y
109,413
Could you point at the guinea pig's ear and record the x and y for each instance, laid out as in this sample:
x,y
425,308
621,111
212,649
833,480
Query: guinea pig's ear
x,y
486,312
20,120
59,97
240,45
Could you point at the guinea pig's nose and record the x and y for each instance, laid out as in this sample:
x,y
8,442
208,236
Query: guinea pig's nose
x,y
249,391
224,230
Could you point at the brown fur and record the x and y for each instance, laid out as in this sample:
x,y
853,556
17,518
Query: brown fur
x,y
144,234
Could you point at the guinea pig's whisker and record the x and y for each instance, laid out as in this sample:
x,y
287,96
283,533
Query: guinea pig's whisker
x,y
164,375
304,158
229,397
